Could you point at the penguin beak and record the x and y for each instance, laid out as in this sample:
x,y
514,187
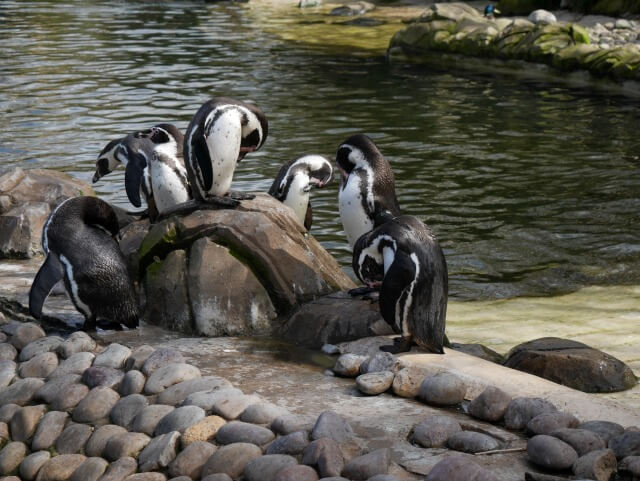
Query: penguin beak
x,y
96,177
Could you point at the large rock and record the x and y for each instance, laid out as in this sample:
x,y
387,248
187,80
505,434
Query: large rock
x,y
231,459
60,468
571,363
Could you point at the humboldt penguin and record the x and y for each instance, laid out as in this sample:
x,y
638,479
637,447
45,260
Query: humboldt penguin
x,y
295,181
367,190
78,239
403,259
221,133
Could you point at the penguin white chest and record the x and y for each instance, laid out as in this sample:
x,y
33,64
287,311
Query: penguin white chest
x,y
168,184
298,196
355,219
223,142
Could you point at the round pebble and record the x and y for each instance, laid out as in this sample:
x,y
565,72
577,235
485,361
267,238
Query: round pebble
x,y
333,426
368,465
605,429
203,430
39,346
265,468
75,364
231,459
8,371
217,477
127,408
191,459
442,389
407,381
114,356
90,470
326,456
11,456
77,342
31,465
599,465
240,432
523,409
434,431
147,419
490,405
70,397
551,453
39,366
297,473
179,419
582,440
168,375
73,438
472,442
132,383
292,444
261,413
96,405
138,356
290,423
626,444
20,392
51,389
630,465
8,352
160,451
100,437
24,422
374,383
125,445
348,365
8,410
381,361
233,406
60,467
161,357
546,423
455,468
50,427
120,469
102,376
177,393
26,333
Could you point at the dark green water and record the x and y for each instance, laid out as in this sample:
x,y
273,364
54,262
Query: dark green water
x,y
532,188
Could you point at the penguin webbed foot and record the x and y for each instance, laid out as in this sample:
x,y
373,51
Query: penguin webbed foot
x,y
400,344
364,291
218,202
241,195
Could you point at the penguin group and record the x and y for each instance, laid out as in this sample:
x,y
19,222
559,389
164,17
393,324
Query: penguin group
x,y
395,255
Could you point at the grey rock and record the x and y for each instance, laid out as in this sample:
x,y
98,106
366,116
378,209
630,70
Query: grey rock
x,y
50,427
542,16
11,456
73,439
442,389
330,349
138,356
626,444
293,444
177,393
523,409
333,426
120,469
179,419
51,389
161,357
181,478
265,468
472,442
291,423
297,473
490,405
630,465
206,400
368,465
4,432
74,364
232,407
478,350
551,453
383,477
132,383
30,466
160,451
39,366
8,410
407,381
599,465
382,361
348,365
240,432
100,437
455,468
147,419
7,372
60,467
102,376
77,342
8,352
39,346
623,23
24,422
20,392
90,470
546,423
70,397
374,383
434,431
168,375
96,405
262,413
127,408
582,440
146,477
231,459
217,477
125,445
114,356
605,429
26,333
191,459
324,455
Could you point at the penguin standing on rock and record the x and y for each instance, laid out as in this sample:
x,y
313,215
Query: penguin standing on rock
x,y
295,181
78,239
403,259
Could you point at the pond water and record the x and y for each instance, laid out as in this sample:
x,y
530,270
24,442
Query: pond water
x,y
532,187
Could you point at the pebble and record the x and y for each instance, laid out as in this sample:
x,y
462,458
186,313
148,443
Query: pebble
x,y
25,334
630,465
232,407
442,389
191,459
599,465
120,469
125,445
407,381
96,405
161,357
4,432
39,346
50,427
8,410
217,477
582,440
523,409
30,466
179,419
138,356
231,459
203,430
146,477
114,356
326,456
73,438
177,393
472,442
626,444
546,423
456,468
90,470
168,375
102,376
374,383
25,421
127,408
297,473
147,419
52,388
69,398
262,413
265,468
490,405
77,342
241,432
60,467
181,478
330,349
605,429
98,440
74,364
368,465
11,456
381,361
206,400
383,477
132,383
333,426
7,372
20,392
551,453
293,444
348,365
290,423
8,352
39,366
434,431
160,451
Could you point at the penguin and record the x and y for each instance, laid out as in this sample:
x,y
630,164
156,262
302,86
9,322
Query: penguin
x,y
78,239
403,259
221,133
367,190
296,179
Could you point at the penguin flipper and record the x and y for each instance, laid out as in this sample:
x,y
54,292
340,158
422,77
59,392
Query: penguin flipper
x,y
134,177
200,151
394,292
48,276
308,218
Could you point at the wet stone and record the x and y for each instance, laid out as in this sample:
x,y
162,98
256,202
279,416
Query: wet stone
x,y
191,459
240,432
25,421
551,453
232,407
168,375
179,419
206,400
290,423
11,456
125,445
297,473
203,430
630,465
98,440
627,444
127,408
265,468
324,455
231,459
51,389
39,366
605,429
582,440
374,383
160,451
368,465
120,469
456,468
60,468
102,376
20,392
31,465
74,364
25,334
70,397
407,381
177,393
8,352
90,470
147,419
472,442
523,409
73,438
8,410
132,383
333,426
262,413
96,405
434,431
114,356
490,405
161,357
39,346
545,423
442,389
7,372
138,356
50,427
599,465
382,361
348,365
293,444
77,342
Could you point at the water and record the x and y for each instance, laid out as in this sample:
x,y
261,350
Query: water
x,y
532,187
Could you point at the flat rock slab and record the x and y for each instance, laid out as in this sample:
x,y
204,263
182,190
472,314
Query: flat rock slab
x,y
177,393
179,419
231,459
168,375
241,432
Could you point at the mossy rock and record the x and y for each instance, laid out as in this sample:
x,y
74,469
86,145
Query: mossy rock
x,y
579,34
573,58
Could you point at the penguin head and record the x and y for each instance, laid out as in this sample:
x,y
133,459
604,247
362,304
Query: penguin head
x,y
357,152
109,158
162,135
254,130
299,176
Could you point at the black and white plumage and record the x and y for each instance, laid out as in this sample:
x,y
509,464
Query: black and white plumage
x,y
78,240
295,180
367,190
404,260
220,134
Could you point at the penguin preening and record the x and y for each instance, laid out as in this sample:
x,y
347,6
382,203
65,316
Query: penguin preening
x,y
78,240
403,259
295,180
